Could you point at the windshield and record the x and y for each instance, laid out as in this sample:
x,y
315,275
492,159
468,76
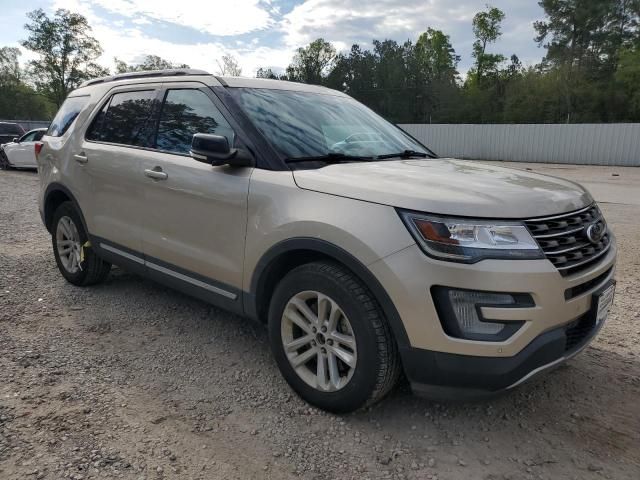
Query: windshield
x,y
303,124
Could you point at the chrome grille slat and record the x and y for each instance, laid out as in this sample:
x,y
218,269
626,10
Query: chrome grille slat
x,y
558,234
564,241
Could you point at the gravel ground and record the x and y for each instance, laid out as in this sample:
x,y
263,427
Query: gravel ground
x,y
132,380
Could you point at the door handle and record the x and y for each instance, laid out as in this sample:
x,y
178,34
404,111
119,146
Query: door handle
x,y
156,173
80,158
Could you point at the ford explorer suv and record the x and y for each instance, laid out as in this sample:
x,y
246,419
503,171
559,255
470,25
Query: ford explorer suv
x,y
365,254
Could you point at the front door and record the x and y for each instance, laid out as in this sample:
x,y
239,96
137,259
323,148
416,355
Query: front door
x,y
195,215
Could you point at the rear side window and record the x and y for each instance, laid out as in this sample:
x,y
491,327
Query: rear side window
x,y
66,115
184,113
124,119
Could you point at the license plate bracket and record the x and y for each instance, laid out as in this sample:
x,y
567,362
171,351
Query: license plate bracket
x,y
603,300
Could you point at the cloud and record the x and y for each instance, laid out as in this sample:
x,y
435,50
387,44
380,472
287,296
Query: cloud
x,y
259,34
222,18
349,22
133,43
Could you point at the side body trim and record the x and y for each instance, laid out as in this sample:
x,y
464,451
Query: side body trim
x,y
191,283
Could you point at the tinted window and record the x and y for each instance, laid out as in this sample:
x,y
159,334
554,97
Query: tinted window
x,y
124,119
184,113
66,115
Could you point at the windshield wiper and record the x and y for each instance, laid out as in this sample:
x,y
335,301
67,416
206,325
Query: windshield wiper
x,y
331,157
404,154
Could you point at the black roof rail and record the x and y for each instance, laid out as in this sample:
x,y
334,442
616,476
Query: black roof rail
x,y
172,72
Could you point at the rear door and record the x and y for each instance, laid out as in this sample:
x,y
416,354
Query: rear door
x,y
111,157
195,215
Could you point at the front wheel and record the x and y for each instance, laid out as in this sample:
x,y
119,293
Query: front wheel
x,y
74,255
4,161
330,338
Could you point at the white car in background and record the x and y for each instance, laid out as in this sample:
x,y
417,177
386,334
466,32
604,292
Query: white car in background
x,y
21,153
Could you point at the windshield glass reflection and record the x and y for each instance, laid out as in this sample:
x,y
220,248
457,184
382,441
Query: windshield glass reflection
x,y
303,124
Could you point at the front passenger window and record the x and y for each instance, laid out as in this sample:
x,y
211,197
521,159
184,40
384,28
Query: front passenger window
x,y
184,113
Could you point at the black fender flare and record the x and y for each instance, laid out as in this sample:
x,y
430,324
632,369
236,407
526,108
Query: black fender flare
x,y
58,187
339,254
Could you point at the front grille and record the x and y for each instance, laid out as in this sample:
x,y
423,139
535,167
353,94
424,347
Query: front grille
x,y
577,331
564,240
573,292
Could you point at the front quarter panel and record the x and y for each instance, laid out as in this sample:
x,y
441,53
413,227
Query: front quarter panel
x,y
278,210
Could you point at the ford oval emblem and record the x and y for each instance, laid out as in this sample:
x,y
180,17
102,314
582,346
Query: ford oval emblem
x,y
595,231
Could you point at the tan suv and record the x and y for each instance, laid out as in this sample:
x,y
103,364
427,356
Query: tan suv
x,y
296,206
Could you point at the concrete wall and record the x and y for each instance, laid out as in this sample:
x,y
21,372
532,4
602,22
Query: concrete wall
x,y
590,144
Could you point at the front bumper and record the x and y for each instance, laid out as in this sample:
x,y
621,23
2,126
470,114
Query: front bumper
x,y
440,375
435,362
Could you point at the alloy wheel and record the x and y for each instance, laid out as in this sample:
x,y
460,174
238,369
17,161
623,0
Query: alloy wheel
x,y
318,341
68,244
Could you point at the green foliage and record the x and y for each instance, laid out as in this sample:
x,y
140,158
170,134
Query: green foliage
x,y
19,101
66,52
591,71
487,29
628,77
311,63
150,62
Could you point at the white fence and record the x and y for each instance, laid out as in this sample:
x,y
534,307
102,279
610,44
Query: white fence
x,y
590,144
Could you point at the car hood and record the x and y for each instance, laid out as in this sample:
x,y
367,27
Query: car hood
x,y
448,187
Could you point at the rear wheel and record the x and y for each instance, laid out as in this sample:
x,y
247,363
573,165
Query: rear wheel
x,y
330,338
74,255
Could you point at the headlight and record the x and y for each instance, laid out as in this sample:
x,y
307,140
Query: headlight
x,y
469,241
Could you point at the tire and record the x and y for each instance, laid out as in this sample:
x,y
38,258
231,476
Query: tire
x,y
68,233
357,320
4,161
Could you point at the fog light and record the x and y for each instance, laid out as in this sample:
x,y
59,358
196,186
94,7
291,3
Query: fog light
x,y
461,316
465,308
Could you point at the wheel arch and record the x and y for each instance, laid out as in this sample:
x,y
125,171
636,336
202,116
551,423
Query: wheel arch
x,y
291,253
54,196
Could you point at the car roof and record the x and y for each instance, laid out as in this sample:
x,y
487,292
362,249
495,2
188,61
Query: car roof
x,y
246,82
231,82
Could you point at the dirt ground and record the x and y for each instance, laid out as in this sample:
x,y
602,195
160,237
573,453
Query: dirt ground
x,y
132,380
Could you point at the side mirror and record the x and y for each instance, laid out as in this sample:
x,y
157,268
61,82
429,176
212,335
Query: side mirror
x,y
215,149
15,139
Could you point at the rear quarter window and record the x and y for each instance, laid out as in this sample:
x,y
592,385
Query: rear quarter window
x,y
66,115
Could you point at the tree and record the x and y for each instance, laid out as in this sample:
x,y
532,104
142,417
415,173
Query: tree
x,y
628,76
229,66
487,29
150,62
270,74
18,100
436,57
584,39
66,52
9,66
312,63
